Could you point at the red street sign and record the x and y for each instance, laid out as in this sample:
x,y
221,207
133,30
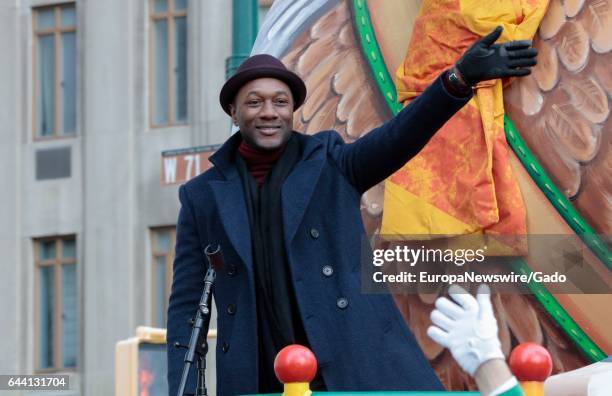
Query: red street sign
x,y
178,166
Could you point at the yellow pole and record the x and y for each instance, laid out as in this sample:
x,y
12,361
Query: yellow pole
x,y
297,389
533,388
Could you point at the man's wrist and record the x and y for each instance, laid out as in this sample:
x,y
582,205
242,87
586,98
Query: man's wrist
x,y
455,83
491,375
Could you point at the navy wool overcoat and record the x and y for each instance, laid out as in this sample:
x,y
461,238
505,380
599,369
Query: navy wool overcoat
x,y
360,340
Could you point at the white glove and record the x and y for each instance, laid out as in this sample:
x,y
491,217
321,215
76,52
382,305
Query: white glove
x,y
468,330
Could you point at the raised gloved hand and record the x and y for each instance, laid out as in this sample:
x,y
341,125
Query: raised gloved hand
x,y
468,329
486,61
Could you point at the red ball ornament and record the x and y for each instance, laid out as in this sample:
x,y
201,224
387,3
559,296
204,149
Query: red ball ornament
x,y
295,363
530,362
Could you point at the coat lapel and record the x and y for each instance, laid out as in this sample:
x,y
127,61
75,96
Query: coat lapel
x,y
229,197
300,185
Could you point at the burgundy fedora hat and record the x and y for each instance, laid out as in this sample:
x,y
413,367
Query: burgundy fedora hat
x,y
259,66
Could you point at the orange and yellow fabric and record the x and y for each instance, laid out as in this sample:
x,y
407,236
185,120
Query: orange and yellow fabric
x,y
461,182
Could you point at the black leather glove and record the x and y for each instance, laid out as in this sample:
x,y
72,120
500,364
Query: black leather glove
x,y
486,61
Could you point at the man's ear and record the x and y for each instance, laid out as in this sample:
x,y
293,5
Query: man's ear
x,y
233,114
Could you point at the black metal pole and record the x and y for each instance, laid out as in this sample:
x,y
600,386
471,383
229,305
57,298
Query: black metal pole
x,y
198,344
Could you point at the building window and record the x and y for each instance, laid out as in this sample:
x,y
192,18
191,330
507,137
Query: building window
x,y
56,303
54,71
162,243
168,62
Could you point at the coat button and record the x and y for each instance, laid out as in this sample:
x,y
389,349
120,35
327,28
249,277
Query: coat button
x,y
225,347
231,270
231,309
342,303
328,270
314,233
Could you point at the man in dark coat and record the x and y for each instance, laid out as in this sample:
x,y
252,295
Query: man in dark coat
x,y
285,209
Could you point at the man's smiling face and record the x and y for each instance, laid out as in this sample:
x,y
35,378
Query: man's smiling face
x,y
263,110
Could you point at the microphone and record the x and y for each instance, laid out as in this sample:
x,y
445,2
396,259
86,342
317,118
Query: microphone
x,y
215,257
215,263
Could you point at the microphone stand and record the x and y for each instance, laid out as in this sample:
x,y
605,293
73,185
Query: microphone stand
x,y
198,344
